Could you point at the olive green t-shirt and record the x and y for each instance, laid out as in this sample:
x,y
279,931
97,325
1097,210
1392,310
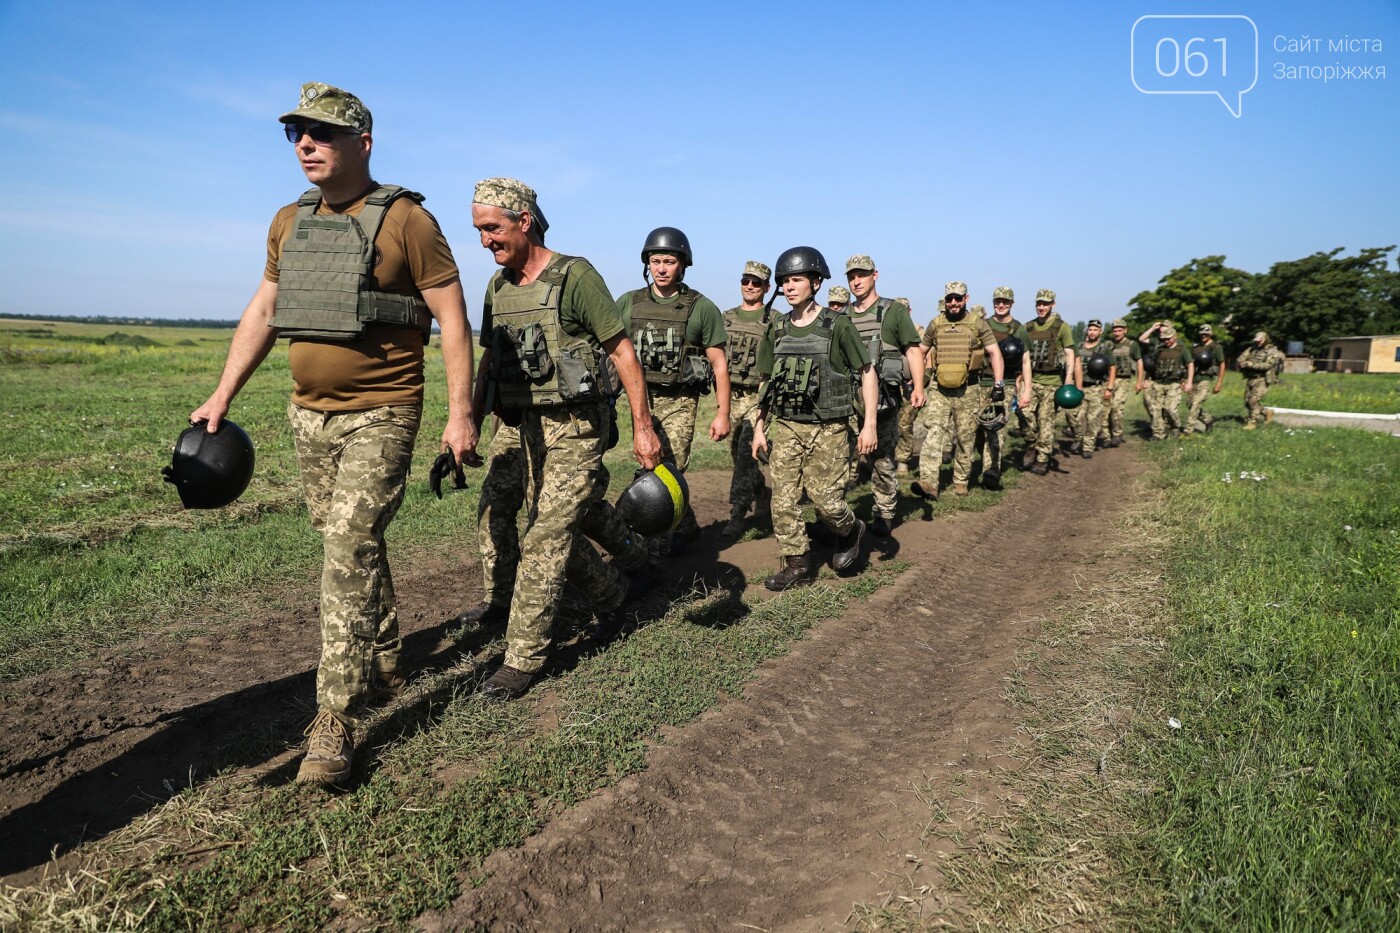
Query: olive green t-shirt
x,y
1066,342
897,329
704,327
384,366
847,354
1217,358
586,306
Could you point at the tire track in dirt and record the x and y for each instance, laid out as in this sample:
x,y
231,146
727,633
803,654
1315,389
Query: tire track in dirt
x,y
784,808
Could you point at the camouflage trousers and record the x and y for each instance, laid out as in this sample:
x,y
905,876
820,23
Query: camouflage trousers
x,y
1003,435
354,466
951,416
1091,419
884,486
1255,388
1118,407
1198,419
1040,420
673,417
499,508
814,458
563,450
1163,401
912,431
747,481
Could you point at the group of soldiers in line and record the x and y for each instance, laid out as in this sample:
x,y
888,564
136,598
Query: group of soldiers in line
x,y
357,273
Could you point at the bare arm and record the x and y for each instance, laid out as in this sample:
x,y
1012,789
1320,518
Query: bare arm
x,y
869,393
252,340
914,356
719,362
646,446
449,308
1069,366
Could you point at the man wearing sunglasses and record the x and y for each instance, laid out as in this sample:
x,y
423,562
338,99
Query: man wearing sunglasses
x,y
356,273
745,326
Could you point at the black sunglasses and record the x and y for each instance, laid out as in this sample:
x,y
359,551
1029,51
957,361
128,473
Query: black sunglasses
x,y
319,132
753,282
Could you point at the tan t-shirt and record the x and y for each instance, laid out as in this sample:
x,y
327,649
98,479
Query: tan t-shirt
x,y
385,365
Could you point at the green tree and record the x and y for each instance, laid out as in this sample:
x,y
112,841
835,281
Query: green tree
x,y
1201,292
1319,297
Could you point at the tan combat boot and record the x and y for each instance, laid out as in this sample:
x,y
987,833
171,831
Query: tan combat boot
x,y
330,751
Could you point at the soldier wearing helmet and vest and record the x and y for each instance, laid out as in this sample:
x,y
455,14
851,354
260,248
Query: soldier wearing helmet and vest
x,y
1209,357
811,359
957,344
838,298
892,343
1126,376
680,339
356,273
1259,364
1051,349
1018,379
1093,369
553,345
1172,372
745,326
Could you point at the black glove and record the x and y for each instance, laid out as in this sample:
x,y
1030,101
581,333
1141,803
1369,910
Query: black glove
x,y
446,463
998,393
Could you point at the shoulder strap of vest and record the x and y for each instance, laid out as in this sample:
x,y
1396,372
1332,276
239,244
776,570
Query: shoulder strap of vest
x,y
377,204
687,298
558,269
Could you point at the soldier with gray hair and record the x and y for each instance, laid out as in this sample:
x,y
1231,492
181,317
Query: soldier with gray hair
x,y
553,344
356,274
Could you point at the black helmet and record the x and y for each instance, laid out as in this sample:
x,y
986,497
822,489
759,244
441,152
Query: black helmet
x,y
656,500
1204,357
799,260
992,416
211,470
668,240
1012,349
1097,364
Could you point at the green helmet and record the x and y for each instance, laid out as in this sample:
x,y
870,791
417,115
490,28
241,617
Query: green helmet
x,y
656,500
801,260
668,240
211,470
1068,396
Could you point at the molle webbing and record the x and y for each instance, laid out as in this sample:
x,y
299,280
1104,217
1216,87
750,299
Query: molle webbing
x,y
658,333
805,387
742,347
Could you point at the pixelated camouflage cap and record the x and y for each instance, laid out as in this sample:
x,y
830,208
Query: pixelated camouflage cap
x,y
978,310
1167,331
1003,291
1206,329
838,293
758,270
905,302
1045,294
955,288
1095,322
326,104
1119,322
509,194
1262,336
860,261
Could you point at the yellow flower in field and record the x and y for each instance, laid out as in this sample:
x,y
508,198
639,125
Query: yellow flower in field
x,y
1353,633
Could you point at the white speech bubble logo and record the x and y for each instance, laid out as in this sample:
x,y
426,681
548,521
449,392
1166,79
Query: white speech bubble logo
x,y
1189,54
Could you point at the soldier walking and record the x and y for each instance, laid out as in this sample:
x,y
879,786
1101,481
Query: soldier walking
x,y
810,359
1092,371
1127,377
1259,364
1052,365
1170,375
1018,378
1209,357
745,326
356,274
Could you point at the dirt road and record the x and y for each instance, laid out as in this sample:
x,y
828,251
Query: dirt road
x,y
778,809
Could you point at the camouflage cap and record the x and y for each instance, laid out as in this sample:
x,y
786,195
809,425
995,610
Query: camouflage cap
x,y
1045,294
1095,322
509,194
326,104
1003,291
1167,331
978,310
1262,336
942,306
955,288
758,270
905,302
838,293
1119,322
860,261
1206,329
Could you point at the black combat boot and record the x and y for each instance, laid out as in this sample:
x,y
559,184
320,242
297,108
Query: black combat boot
x,y
848,548
797,571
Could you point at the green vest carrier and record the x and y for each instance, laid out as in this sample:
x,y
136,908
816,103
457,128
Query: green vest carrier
x,y
891,368
658,333
1045,346
742,347
804,386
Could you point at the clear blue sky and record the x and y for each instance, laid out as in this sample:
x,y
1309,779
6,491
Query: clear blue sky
x,y
998,143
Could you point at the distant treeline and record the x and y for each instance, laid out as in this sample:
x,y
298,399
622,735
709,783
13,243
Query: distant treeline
x,y
128,321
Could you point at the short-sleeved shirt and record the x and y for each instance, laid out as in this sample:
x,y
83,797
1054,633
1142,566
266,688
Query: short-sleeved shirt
x,y
896,329
1066,342
586,306
1134,353
847,355
704,327
1083,351
384,366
